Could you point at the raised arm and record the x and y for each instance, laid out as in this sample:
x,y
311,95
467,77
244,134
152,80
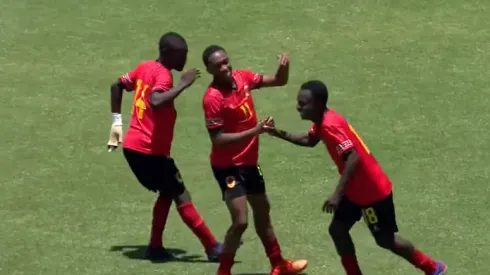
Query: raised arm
x,y
280,78
163,93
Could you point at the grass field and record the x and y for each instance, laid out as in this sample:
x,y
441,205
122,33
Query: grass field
x,y
411,76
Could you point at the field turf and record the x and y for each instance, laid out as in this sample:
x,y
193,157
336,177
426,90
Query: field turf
x,y
411,76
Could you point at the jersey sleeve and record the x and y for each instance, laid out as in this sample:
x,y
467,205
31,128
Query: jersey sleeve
x,y
337,136
129,78
212,111
253,80
163,81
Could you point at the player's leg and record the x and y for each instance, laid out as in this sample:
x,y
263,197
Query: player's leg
x,y
193,220
259,202
381,220
175,187
234,194
346,215
141,165
239,223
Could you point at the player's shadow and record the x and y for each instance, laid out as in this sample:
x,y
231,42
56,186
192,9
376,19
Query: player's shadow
x,y
137,252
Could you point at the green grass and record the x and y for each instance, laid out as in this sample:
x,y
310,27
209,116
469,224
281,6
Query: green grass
x,y
411,76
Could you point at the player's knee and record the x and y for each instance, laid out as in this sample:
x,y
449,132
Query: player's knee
x,y
239,226
385,241
183,197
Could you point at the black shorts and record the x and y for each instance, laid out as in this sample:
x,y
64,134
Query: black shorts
x,y
237,181
156,173
379,216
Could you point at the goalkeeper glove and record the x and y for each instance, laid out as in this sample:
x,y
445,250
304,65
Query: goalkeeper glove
x,y
116,133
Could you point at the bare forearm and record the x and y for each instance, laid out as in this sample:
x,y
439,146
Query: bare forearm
x,y
350,167
300,139
116,98
282,75
159,98
280,78
222,139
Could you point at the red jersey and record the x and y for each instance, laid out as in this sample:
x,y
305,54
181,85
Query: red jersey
x,y
150,130
368,183
233,110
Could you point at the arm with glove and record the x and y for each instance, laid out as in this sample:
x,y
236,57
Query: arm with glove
x,y
116,132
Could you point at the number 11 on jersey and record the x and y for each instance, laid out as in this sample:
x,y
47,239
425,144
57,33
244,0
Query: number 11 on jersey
x,y
246,109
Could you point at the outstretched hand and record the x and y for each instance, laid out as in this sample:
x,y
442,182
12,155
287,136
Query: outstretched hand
x,y
269,126
189,76
264,124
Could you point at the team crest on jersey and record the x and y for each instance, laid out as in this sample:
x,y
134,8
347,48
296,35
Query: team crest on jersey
x,y
230,181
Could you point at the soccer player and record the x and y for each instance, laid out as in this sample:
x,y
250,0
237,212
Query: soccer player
x,y
233,129
363,190
148,139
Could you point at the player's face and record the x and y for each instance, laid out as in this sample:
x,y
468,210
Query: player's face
x,y
305,105
219,66
179,58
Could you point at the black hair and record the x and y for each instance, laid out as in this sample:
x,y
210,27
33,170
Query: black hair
x,y
171,41
210,50
318,89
